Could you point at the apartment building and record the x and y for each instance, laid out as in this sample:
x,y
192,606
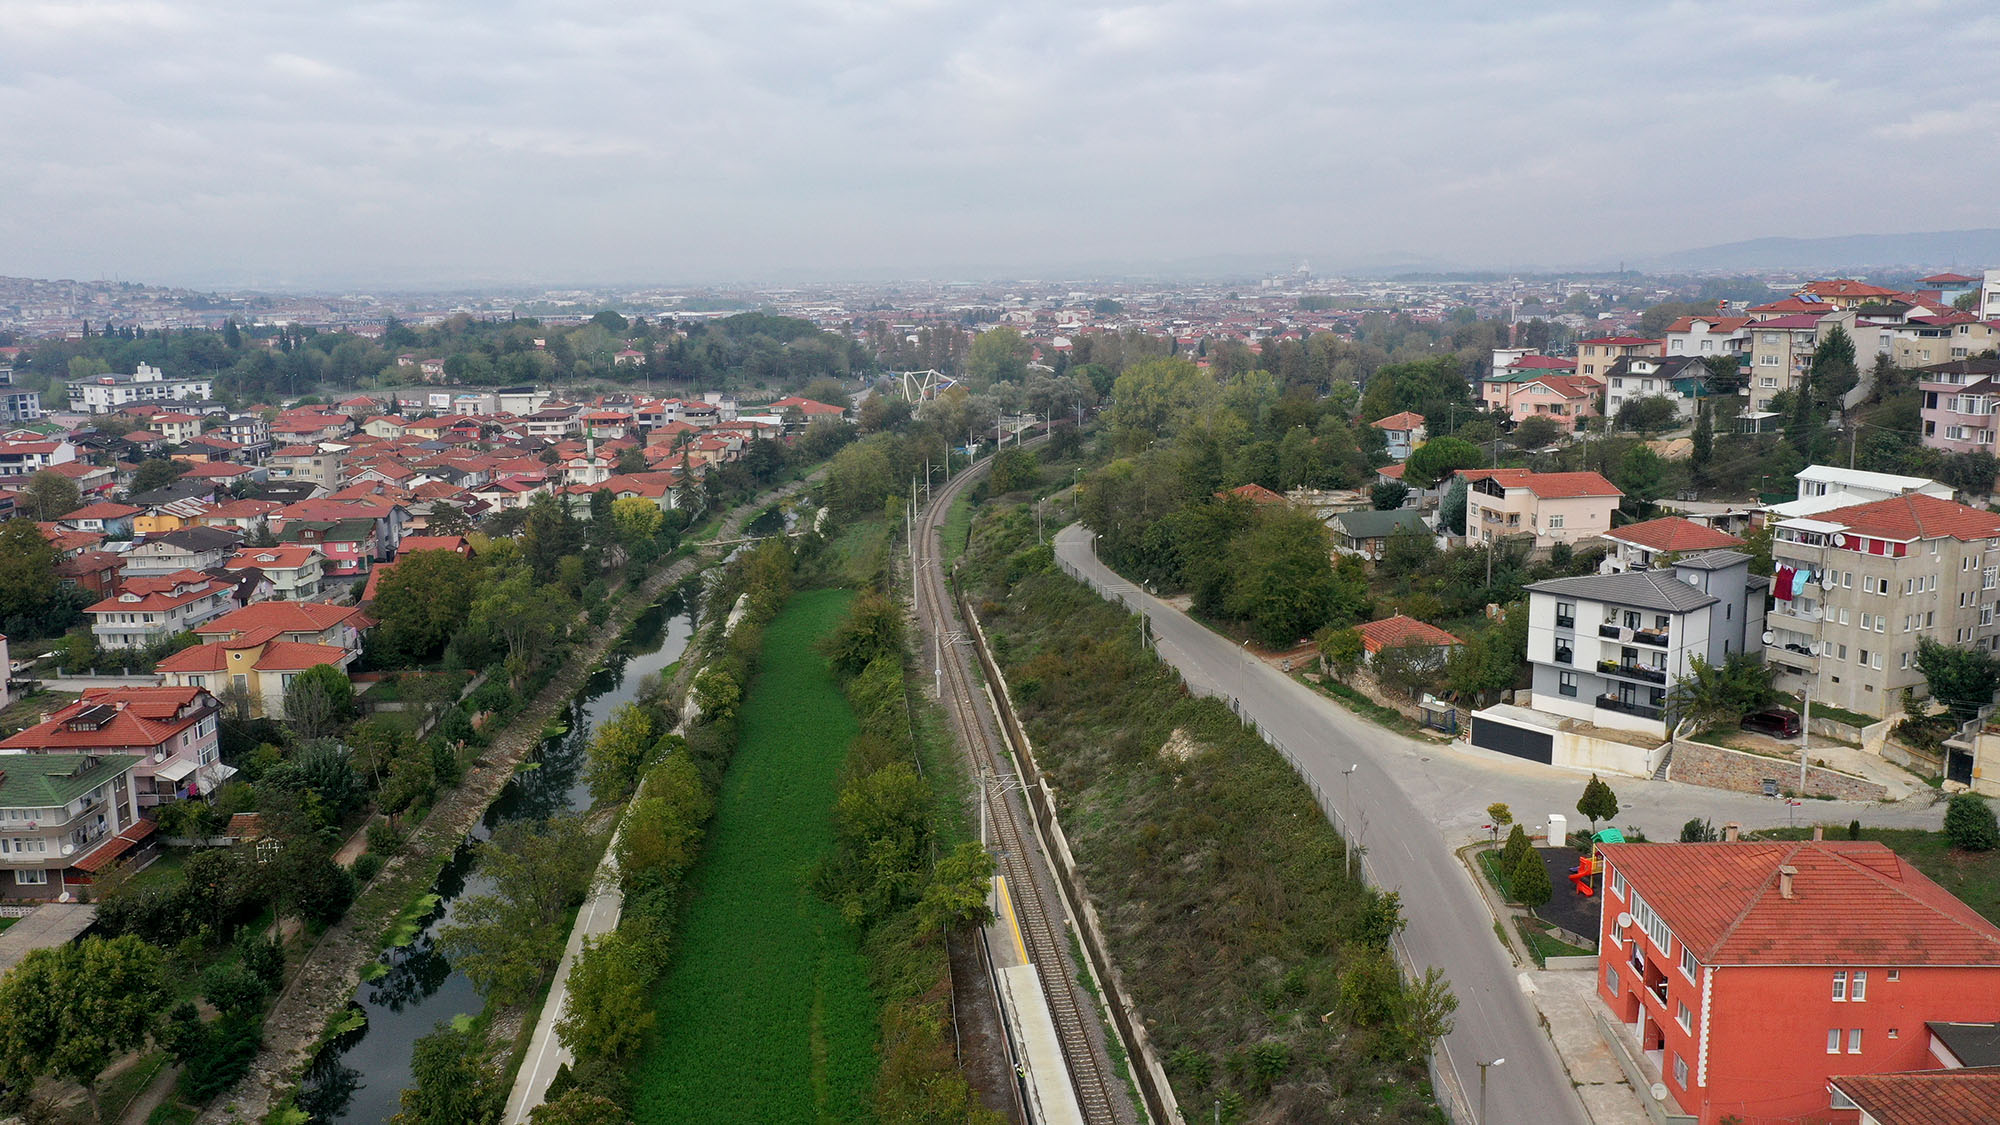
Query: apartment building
x,y
172,730
152,608
1745,976
1960,399
311,464
1781,350
1681,380
1595,357
1709,335
17,404
58,811
297,573
1856,587
1552,507
1641,546
1605,647
102,394
1562,399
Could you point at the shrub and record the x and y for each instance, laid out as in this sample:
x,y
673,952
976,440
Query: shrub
x,y
232,988
1698,831
1969,824
367,866
1530,881
385,839
264,958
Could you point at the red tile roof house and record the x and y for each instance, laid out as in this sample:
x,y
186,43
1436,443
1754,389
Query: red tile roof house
x,y
149,608
173,729
1405,432
1636,545
1402,632
260,664
1966,1096
1744,976
309,622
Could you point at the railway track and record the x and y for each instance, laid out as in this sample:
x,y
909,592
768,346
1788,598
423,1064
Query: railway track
x,y
1038,909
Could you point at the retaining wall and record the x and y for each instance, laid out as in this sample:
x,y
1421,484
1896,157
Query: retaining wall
x,y
1698,763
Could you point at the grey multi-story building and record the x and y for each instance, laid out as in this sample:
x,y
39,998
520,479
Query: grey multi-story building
x,y
17,404
1856,588
1605,648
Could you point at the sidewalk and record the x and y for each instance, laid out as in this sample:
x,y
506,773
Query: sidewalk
x,y
1566,1000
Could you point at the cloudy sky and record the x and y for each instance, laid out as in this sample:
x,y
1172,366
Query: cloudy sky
x,y
329,141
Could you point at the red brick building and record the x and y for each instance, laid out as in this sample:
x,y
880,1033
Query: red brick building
x,y
1746,975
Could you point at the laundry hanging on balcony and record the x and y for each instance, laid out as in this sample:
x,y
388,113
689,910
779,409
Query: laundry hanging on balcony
x,y
1783,582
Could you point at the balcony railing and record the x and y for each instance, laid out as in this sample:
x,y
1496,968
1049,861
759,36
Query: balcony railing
x,y
1563,622
1633,671
1613,703
1609,630
1655,637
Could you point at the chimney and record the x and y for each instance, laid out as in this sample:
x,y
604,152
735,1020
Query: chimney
x,y
1731,831
1819,833
1785,874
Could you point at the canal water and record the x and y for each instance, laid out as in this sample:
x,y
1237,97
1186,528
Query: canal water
x,y
360,1076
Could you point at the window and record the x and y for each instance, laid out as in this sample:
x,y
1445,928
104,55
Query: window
x,y
1684,1017
1618,888
30,878
1680,1072
1556,523
1841,1100
1688,966
1566,683
1565,651
1611,978
1859,990
1565,615
1853,1040
1840,985
1649,921
1832,1040
1895,975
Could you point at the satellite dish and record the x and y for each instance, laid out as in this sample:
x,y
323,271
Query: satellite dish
x,y
1659,1092
1624,920
1769,636
1839,540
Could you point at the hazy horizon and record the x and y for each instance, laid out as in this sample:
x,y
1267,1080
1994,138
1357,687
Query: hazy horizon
x,y
412,145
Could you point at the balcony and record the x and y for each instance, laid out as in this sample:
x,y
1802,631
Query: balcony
x,y
1793,611
1613,703
1655,637
1610,630
1565,622
1633,671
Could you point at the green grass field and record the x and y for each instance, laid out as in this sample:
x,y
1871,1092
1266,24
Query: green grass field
x,y
957,522
766,1014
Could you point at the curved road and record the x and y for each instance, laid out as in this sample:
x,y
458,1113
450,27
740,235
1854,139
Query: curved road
x,y
1416,802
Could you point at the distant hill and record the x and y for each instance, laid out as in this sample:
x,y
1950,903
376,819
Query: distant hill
x,y
1963,250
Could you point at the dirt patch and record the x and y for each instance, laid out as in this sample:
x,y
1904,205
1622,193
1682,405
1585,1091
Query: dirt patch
x,y
1181,748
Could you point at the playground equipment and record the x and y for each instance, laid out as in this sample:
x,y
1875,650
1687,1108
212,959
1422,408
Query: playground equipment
x,y
1591,866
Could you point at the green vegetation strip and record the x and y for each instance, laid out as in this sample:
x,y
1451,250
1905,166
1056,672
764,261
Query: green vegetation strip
x,y
766,1014
957,524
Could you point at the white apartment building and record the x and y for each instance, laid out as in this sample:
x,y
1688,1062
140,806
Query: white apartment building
x,y
17,405
1709,335
1822,488
102,394
1855,588
1605,648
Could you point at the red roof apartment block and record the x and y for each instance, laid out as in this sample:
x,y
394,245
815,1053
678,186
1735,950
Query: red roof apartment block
x,y
1747,975
1674,533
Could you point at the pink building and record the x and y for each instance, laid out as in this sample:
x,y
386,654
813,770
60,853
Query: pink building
x,y
1960,400
1560,398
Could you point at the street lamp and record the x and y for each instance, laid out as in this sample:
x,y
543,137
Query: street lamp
x,y
1481,1119
1347,815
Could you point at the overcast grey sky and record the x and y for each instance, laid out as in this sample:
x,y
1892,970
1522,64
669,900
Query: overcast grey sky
x,y
215,141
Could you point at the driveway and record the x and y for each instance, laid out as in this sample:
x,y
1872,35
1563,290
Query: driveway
x,y
1414,803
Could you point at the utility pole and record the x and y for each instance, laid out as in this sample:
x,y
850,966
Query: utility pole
x,y
1481,1119
1805,740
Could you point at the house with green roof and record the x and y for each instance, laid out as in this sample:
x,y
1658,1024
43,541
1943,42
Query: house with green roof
x,y
1366,533
58,812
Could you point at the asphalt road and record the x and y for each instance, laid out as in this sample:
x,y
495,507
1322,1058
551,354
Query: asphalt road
x,y
1415,803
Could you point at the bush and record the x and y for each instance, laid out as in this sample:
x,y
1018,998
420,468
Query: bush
x,y
1530,881
1699,831
1969,824
233,988
367,866
385,839
264,958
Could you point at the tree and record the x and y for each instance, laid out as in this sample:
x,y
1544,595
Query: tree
x,y
156,472
1427,1007
1833,372
1155,399
1801,427
27,570
1341,649
956,896
1962,679
1285,587
1511,851
1451,509
1388,495
636,520
1499,817
1409,550
1698,831
1598,802
619,753
453,1082
319,701
859,478
419,603
1438,458
1642,475
1530,880
509,941
664,826
882,833
73,1009
550,536
1013,470
1647,415
1718,693
47,496
580,1107
1704,438
1413,669
610,1003
1537,432
1970,825
1000,355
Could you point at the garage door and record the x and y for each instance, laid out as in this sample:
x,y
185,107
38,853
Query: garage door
x,y
1534,745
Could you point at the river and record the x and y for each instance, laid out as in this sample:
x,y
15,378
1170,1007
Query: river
x,y
360,1076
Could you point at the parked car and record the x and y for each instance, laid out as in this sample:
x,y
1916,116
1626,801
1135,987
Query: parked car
x,y
1776,722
